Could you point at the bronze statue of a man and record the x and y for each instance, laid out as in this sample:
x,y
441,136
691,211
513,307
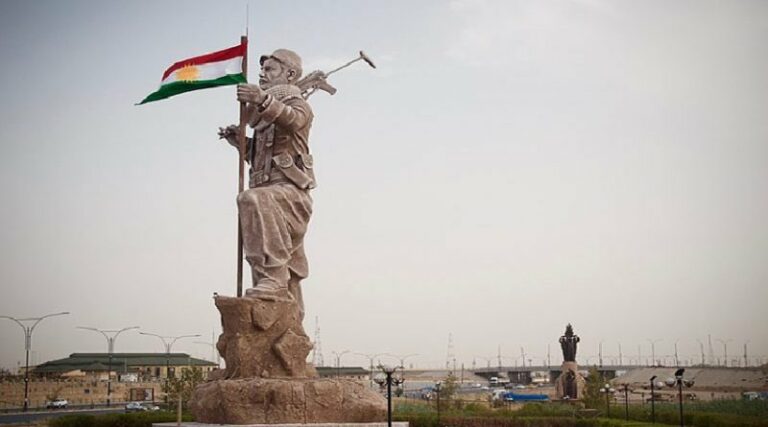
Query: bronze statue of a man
x,y
275,210
568,343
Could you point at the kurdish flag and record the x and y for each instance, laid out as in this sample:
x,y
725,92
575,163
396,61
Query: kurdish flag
x,y
221,68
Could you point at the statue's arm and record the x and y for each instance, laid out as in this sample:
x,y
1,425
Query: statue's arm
x,y
292,115
229,134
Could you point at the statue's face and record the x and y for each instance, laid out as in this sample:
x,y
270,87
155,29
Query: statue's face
x,y
274,73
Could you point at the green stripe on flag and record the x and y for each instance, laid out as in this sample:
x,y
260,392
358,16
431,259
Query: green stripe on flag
x,y
175,88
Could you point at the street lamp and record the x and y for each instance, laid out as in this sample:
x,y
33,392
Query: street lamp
x,y
370,358
110,350
168,344
608,390
338,361
438,386
28,345
653,401
626,401
388,376
679,381
725,350
401,358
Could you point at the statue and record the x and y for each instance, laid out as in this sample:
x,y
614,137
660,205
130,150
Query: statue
x,y
267,378
570,383
275,210
568,343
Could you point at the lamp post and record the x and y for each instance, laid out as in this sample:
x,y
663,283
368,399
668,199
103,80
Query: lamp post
x,y
626,401
679,381
111,336
725,350
438,385
338,361
28,329
608,392
370,358
401,358
701,350
388,376
168,344
653,401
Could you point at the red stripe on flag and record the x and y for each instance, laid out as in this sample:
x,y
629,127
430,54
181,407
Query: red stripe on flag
x,y
220,55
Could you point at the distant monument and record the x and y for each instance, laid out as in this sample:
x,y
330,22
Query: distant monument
x,y
570,384
267,379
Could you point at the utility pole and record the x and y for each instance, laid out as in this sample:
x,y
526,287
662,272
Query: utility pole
x,y
621,360
746,361
317,349
600,354
28,329
111,336
548,360
677,360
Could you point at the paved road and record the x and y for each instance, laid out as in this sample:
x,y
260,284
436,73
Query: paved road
x,y
29,417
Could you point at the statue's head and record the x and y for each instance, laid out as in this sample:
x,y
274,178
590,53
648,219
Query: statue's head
x,y
282,67
569,330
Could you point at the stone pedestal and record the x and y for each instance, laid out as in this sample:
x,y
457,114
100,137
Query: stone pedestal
x,y
570,383
267,379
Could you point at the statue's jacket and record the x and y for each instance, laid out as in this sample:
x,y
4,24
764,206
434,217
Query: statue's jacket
x,y
279,150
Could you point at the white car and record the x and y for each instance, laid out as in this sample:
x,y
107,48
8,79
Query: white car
x,y
57,404
140,407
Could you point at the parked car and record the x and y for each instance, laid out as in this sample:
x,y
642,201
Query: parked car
x,y
140,407
57,404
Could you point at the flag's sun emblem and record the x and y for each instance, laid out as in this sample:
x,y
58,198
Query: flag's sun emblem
x,y
188,73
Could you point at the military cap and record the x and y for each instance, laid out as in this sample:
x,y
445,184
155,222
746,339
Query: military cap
x,y
286,57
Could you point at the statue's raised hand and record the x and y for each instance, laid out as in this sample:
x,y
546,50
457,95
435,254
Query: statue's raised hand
x,y
250,93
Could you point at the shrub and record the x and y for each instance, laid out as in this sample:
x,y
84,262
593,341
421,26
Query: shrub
x,y
116,420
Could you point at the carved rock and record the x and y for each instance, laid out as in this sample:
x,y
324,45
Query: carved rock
x,y
272,401
263,339
267,379
570,382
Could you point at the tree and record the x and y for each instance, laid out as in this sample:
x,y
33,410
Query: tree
x,y
5,374
184,385
448,389
592,397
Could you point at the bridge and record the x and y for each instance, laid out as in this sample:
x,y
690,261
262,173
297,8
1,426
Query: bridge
x,y
525,374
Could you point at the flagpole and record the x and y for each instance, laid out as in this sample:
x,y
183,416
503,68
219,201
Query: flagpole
x,y
241,178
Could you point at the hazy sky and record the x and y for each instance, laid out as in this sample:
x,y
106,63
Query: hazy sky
x,y
510,167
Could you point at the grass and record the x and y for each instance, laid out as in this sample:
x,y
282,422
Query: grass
x,y
699,414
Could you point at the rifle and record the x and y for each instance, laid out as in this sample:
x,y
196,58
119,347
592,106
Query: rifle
x,y
318,79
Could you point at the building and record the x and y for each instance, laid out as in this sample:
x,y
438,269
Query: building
x,y
126,366
351,373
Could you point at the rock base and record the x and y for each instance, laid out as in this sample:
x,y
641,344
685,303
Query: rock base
x,y
570,384
286,401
